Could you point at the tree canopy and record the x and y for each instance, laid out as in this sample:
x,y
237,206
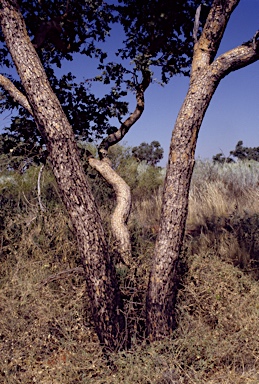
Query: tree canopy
x,y
150,153
155,37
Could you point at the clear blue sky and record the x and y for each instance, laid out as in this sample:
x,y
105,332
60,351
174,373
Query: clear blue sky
x,y
233,113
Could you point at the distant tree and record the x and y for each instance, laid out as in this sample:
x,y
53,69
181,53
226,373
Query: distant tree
x,y
221,159
150,153
245,153
240,152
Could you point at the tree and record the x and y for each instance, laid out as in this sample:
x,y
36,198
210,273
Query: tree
x,y
206,73
41,102
65,21
157,34
151,153
240,152
245,153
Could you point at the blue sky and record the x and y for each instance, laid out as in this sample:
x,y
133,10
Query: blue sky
x,y
233,114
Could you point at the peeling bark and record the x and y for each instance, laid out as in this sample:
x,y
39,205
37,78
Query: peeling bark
x,y
205,77
106,302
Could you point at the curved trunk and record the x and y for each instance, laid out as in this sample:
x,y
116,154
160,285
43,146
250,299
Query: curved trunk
x,y
103,291
122,209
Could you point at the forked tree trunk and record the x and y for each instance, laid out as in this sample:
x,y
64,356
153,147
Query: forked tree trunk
x,y
205,77
106,303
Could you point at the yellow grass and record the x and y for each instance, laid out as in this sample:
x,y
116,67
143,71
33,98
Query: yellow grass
x,y
46,335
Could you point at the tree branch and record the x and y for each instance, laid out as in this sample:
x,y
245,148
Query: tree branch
x,y
121,188
255,40
196,23
121,132
61,275
14,92
236,58
122,209
207,46
42,208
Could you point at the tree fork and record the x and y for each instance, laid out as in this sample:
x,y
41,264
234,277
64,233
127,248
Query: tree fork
x,y
105,298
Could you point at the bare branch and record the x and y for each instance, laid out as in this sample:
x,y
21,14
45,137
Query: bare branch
x,y
255,40
42,208
236,58
196,23
125,127
61,275
122,190
14,92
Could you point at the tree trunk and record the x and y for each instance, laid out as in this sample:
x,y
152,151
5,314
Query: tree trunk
x,y
106,303
205,77
162,284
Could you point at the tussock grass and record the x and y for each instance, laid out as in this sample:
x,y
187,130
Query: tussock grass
x,y
46,335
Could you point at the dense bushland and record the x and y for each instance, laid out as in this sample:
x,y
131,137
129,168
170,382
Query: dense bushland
x,y
46,335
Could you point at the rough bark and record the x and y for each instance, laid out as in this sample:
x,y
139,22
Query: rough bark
x,y
103,291
15,93
205,77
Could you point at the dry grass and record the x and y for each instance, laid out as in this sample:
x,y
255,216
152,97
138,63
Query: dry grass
x,y
46,335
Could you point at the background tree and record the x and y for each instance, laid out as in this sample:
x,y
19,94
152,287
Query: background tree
x,y
245,153
240,152
150,153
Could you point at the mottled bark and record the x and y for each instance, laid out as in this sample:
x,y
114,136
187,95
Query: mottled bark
x,y
205,77
15,93
103,291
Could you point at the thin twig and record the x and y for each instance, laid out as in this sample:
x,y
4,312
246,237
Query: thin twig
x,y
61,275
42,208
196,24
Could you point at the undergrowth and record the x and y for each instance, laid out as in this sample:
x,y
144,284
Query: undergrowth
x,y
46,335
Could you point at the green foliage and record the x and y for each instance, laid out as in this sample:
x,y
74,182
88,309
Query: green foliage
x,y
158,34
240,152
150,153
